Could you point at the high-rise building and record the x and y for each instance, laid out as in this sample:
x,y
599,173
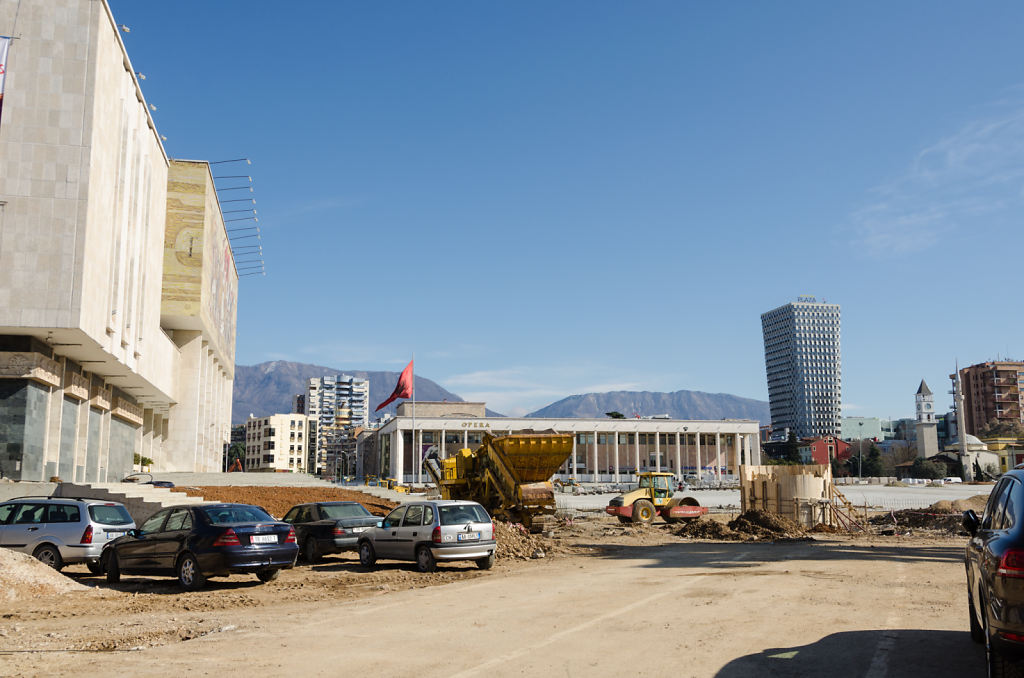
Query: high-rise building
x,y
338,404
276,443
992,393
803,366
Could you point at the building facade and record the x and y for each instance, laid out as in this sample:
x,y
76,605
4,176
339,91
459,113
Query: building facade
x,y
927,424
992,392
277,443
823,450
117,284
604,450
804,369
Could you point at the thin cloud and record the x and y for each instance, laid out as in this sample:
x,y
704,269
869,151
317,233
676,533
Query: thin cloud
x,y
972,177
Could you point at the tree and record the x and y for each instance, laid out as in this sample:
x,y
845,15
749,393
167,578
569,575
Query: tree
x,y
615,415
923,468
792,454
1001,429
872,466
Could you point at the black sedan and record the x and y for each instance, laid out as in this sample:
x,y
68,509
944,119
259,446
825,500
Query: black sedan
x,y
329,526
196,542
994,558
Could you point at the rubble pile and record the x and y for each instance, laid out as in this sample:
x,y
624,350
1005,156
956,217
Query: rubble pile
x,y
516,543
759,524
942,516
23,577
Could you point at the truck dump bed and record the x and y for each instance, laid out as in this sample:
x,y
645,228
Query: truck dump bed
x,y
509,475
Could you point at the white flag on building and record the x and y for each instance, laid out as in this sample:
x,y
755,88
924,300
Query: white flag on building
x,y
5,43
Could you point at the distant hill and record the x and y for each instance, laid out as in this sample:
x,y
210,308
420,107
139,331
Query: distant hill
x,y
678,405
268,388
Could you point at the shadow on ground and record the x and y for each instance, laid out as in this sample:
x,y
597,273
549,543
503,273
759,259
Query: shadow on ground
x,y
744,554
896,653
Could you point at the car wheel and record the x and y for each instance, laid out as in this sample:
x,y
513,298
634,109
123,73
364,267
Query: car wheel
x,y
49,555
113,568
269,574
485,563
425,560
189,574
94,567
367,558
643,512
996,662
977,633
311,552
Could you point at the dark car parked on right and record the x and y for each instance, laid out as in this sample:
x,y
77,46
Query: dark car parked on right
x,y
994,558
328,526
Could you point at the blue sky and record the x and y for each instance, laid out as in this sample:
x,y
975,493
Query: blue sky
x,y
548,198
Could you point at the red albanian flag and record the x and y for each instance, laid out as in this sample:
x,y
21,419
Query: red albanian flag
x,y
403,389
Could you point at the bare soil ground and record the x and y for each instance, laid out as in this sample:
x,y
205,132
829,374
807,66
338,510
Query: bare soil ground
x,y
594,597
277,500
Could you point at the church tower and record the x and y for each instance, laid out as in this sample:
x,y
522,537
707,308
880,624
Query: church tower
x,y
927,437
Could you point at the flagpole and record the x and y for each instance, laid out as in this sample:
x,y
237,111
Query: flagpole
x,y
419,462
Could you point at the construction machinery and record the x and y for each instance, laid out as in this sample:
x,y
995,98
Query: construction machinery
x,y
653,497
509,475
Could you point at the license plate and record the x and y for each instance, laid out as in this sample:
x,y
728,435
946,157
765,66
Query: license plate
x,y
359,529
469,536
263,539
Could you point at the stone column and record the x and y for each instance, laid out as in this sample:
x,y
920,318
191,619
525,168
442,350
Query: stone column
x,y
736,452
615,474
679,458
636,450
718,456
700,470
596,468
657,451
398,453
572,471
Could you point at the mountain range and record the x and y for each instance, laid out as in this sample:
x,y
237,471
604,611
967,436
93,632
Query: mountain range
x,y
677,405
268,388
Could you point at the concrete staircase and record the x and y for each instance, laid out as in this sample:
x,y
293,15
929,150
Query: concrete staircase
x,y
242,479
142,501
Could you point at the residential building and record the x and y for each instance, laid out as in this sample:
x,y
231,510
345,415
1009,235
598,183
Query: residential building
x,y
992,392
824,449
604,450
803,367
339,404
276,443
117,282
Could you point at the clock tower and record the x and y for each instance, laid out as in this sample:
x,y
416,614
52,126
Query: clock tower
x,y
927,437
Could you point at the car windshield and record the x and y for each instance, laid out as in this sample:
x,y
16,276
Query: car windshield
x,y
110,514
460,514
223,515
336,511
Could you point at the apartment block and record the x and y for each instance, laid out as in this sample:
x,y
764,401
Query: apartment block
x,y
277,443
992,392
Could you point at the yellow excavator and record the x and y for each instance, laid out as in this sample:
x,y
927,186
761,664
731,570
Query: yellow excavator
x,y
509,475
653,497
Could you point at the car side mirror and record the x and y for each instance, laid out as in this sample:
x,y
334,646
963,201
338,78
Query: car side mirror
x,y
134,533
970,522
380,523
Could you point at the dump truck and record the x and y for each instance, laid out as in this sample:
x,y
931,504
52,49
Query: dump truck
x,y
509,475
653,497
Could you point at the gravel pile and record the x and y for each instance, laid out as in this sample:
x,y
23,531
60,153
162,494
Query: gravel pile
x,y
23,577
942,516
515,542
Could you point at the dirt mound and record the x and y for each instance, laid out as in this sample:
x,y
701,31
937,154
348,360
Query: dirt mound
x,y
707,529
764,525
277,500
958,506
515,542
23,577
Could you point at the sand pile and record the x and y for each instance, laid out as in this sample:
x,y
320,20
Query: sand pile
x,y
23,577
515,542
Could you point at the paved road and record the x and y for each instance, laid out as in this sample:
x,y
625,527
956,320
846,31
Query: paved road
x,y
838,609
